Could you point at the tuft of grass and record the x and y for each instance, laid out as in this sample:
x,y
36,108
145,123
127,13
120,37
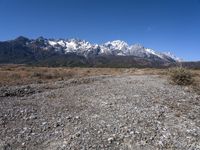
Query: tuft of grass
x,y
181,76
45,75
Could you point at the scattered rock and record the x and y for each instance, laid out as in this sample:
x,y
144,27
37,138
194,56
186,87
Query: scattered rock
x,y
110,140
121,112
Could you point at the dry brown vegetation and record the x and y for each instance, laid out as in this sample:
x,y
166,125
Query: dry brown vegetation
x,y
181,76
185,77
22,75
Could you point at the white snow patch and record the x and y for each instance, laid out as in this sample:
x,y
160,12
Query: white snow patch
x,y
53,43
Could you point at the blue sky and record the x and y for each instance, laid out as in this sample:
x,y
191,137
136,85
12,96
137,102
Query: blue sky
x,y
164,25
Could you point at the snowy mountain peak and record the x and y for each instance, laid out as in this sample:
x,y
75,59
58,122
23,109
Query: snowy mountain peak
x,y
111,48
169,54
151,51
117,44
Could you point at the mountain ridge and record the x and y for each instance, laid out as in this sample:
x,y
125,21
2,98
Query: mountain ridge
x,y
39,50
73,45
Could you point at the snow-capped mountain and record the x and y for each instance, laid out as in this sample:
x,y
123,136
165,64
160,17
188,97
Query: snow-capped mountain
x,y
71,45
169,54
111,48
75,52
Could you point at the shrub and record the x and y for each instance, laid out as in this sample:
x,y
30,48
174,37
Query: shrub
x,y
14,76
181,76
44,75
36,74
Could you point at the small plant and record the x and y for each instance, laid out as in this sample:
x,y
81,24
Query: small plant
x,y
14,76
181,76
44,75
36,74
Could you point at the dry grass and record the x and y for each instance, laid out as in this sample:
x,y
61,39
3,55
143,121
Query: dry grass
x,y
181,76
21,75
186,77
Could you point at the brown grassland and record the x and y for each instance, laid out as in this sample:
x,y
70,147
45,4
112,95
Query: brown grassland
x,y
23,75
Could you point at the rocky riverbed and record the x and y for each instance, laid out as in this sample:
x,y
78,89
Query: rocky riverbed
x,y
101,112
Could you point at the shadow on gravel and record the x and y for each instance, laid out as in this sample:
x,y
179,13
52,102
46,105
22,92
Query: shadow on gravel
x,y
21,91
86,80
18,91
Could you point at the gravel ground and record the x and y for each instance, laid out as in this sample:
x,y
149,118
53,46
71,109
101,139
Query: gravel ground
x,y
102,112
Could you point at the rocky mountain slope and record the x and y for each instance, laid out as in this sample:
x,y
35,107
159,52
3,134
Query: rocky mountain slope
x,y
74,52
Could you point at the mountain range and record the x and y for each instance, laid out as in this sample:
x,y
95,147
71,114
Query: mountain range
x,y
75,52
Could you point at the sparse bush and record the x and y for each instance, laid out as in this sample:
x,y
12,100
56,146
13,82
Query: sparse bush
x,y
68,74
181,76
50,76
45,75
36,74
14,76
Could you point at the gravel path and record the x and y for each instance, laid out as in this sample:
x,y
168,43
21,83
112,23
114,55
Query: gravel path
x,y
104,112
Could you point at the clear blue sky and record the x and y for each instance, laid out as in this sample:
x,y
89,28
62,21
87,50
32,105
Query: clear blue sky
x,y
164,25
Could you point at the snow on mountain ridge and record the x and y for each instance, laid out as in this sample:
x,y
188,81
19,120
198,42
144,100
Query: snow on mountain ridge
x,y
169,54
154,53
117,44
114,48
